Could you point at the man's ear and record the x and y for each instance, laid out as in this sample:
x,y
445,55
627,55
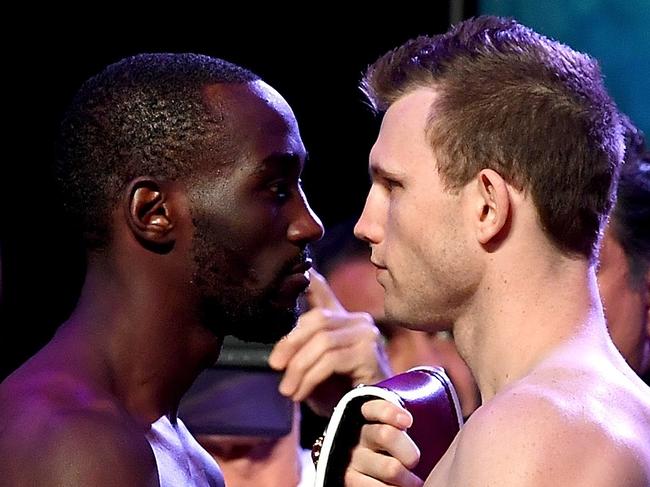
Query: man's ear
x,y
492,210
149,214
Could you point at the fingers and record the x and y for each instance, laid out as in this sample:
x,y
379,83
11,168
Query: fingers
x,y
346,348
396,446
299,383
380,411
330,350
370,468
357,479
349,345
312,328
314,364
309,324
319,294
325,311
385,453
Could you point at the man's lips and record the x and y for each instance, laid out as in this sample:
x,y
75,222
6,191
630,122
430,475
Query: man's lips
x,y
295,282
301,267
379,271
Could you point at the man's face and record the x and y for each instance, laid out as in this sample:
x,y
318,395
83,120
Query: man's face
x,y
626,306
355,285
420,244
252,220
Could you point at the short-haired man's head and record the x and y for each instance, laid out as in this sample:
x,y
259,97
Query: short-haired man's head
x,y
142,116
517,102
631,214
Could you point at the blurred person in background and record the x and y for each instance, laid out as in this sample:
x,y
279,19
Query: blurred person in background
x,y
624,269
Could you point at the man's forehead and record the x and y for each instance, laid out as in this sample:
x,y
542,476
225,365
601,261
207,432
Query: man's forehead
x,y
408,115
250,98
252,110
403,127
259,121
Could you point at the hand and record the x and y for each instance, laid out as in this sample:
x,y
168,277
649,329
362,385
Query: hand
x,y
330,351
385,453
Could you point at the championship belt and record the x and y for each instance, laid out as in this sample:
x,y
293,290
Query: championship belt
x,y
426,392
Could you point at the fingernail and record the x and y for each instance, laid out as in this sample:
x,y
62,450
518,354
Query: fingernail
x,y
285,388
277,360
404,420
273,362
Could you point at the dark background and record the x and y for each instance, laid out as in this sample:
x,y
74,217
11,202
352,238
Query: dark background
x,y
315,62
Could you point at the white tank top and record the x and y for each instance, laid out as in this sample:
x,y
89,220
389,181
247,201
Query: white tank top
x,y
181,461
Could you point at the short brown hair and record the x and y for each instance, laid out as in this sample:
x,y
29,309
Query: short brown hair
x,y
530,108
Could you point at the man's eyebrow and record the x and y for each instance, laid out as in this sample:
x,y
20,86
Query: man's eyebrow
x,y
286,161
377,170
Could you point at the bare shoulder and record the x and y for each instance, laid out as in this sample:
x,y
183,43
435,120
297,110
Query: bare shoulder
x,y
83,439
539,433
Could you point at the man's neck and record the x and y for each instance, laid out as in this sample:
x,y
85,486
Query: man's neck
x,y
146,350
522,315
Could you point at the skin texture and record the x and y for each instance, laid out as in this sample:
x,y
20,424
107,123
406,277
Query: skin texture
x,y
527,319
354,283
96,406
626,308
246,271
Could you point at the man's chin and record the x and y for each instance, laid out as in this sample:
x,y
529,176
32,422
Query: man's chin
x,y
429,323
266,327
260,319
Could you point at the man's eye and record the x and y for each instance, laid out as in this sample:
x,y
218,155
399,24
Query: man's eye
x,y
280,190
391,184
